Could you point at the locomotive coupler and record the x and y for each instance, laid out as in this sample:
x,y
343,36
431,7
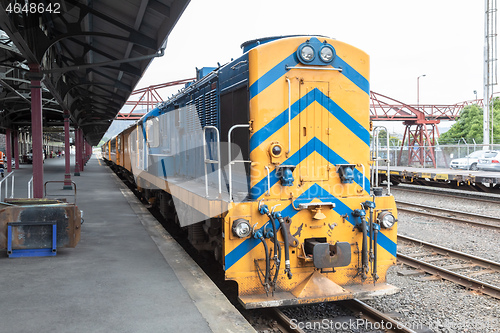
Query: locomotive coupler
x,y
326,255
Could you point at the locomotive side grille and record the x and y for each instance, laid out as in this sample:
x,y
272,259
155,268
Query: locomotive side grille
x,y
208,115
193,114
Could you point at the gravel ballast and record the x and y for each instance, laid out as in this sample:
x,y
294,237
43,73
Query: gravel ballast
x,y
426,304
440,305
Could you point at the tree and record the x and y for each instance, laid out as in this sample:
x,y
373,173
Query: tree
x,y
382,138
470,125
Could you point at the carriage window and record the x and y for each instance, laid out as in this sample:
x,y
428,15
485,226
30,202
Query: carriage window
x,y
132,142
165,129
153,132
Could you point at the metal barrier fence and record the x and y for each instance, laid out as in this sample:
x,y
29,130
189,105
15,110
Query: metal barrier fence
x,y
443,154
5,182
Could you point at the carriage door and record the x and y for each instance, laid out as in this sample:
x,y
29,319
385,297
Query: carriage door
x,y
314,131
119,149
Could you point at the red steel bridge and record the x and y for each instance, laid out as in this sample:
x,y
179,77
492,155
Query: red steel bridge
x,y
420,120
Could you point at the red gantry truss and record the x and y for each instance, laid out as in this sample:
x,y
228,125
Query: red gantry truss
x,y
147,98
421,122
420,134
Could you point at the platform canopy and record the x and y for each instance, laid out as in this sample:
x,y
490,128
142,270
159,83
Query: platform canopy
x,y
89,54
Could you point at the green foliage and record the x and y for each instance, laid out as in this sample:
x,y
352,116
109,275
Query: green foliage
x,y
382,138
470,125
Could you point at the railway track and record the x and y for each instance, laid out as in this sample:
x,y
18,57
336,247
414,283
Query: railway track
x,y
453,215
379,321
376,316
435,253
454,194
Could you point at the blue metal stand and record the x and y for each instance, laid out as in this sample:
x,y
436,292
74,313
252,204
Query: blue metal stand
x,y
43,252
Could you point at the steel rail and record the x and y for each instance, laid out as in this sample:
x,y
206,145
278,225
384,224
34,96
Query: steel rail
x,y
454,195
457,278
375,315
452,212
485,263
284,321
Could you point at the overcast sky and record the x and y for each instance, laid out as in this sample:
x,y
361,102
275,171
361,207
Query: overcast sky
x,y
443,39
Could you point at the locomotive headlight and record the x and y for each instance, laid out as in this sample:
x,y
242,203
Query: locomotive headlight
x,y
386,219
307,53
276,150
241,228
326,53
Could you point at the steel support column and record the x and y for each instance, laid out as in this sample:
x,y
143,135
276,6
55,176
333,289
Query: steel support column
x,y
8,150
420,143
77,145
88,151
67,174
16,149
85,152
37,130
81,143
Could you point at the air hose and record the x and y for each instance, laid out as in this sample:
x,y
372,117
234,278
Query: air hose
x,y
277,268
259,234
371,205
273,216
364,250
376,228
281,220
275,237
360,215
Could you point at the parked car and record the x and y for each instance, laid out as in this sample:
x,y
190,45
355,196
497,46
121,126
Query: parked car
x,y
468,162
490,161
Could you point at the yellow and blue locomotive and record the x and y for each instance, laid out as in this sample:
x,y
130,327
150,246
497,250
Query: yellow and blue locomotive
x,y
266,161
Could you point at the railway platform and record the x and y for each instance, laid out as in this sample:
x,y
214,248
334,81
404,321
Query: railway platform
x,y
483,181
127,274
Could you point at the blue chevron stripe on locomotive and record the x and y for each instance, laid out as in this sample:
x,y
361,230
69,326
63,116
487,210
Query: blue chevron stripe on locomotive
x,y
280,69
300,105
314,145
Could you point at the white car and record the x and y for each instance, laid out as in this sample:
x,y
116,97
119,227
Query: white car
x,y
490,161
468,162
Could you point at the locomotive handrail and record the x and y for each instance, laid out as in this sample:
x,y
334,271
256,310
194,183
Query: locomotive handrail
x,y
231,162
268,180
207,161
364,176
375,135
289,115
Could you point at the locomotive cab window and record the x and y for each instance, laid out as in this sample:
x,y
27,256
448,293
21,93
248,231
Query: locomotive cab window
x,y
153,132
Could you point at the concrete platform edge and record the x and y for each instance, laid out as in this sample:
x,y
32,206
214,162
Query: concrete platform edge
x,y
219,313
